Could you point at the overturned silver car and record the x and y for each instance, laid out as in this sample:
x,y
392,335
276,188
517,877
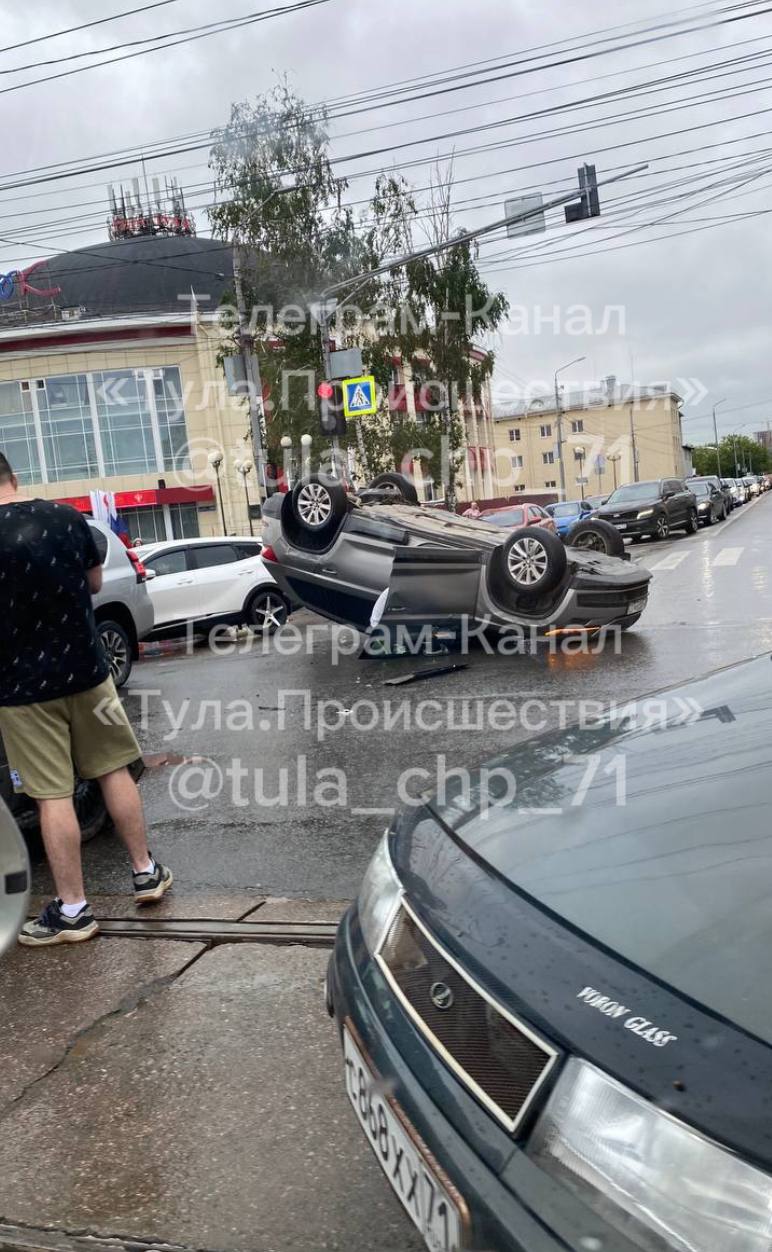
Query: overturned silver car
x,y
381,557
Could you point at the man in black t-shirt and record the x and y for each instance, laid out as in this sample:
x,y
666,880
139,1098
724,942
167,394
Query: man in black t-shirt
x,y
55,687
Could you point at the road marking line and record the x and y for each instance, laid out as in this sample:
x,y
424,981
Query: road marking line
x,y
672,561
728,556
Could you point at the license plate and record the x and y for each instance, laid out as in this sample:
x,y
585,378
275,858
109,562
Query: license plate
x,y
421,1192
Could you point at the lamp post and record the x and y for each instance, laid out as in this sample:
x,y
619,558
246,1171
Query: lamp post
x,y
579,456
559,422
216,460
305,454
715,433
244,468
286,444
614,458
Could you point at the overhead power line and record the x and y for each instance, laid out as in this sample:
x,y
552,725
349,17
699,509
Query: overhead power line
x,y
99,21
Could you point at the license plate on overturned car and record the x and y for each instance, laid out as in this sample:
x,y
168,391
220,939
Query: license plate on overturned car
x,y
415,1180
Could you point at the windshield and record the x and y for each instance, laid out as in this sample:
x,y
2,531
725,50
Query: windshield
x,y
700,489
633,492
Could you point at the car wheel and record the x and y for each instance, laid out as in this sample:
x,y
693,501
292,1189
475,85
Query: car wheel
x,y
118,648
661,527
399,482
318,503
533,561
595,535
266,611
693,522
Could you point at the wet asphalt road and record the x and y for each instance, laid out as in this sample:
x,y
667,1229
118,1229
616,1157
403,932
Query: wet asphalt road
x,y
273,832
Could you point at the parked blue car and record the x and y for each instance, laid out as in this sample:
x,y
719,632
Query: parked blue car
x,y
567,514
553,997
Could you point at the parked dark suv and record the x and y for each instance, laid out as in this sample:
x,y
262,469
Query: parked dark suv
x,y
651,508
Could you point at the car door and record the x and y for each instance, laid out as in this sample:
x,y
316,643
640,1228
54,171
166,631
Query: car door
x,y
676,501
172,589
220,577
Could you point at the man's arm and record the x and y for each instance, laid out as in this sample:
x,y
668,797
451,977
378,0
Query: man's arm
x,y
94,576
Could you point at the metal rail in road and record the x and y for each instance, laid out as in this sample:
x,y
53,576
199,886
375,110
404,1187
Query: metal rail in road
x,y
202,930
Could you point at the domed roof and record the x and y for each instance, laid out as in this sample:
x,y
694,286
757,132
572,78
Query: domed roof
x,y
147,274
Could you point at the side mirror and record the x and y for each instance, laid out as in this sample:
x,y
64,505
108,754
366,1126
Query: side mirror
x,y
14,879
151,573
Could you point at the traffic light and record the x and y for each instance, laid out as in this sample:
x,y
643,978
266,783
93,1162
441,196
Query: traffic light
x,y
588,204
331,418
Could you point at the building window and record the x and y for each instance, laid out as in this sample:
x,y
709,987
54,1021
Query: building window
x,y
545,432
167,389
125,423
184,521
577,427
550,483
514,434
517,462
69,448
149,524
548,458
17,432
519,487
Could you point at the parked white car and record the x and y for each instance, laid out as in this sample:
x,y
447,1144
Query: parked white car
x,y
198,584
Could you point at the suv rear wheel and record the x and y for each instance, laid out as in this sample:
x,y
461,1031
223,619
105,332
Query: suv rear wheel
x,y
118,648
533,561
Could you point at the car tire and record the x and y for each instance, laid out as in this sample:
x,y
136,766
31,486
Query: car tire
x,y
533,561
399,482
693,522
318,503
661,527
266,610
117,645
595,535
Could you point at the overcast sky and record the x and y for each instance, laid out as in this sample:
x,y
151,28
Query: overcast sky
x,y
696,302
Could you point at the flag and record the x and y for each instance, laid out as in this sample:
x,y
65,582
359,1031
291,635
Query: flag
x,y
103,509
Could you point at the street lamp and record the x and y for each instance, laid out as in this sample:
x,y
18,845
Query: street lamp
x,y
559,422
579,456
715,432
244,468
216,460
286,444
305,454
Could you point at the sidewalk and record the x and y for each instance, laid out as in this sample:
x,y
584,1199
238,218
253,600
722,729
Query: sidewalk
x,y
163,1092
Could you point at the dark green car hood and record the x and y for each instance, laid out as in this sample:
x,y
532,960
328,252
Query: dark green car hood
x,y
650,833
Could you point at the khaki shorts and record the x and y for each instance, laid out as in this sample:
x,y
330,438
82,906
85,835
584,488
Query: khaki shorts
x,y
45,743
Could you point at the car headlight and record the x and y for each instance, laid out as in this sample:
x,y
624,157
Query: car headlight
x,y
378,896
645,512
705,505
648,1174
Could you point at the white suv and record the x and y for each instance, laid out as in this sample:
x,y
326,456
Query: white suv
x,y
123,609
198,584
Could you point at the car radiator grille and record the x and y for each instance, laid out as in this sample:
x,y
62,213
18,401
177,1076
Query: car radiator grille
x,y
604,599
500,1061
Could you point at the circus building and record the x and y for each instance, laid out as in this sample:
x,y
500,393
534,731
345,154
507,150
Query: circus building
x,y
109,378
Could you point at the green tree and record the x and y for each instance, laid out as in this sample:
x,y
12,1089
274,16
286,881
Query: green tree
x,y
281,206
738,453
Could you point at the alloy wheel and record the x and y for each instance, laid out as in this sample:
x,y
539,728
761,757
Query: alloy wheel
x,y
117,653
268,612
527,561
662,528
314,505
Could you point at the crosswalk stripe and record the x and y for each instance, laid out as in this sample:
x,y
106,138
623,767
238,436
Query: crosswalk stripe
x,y
671,561
728,556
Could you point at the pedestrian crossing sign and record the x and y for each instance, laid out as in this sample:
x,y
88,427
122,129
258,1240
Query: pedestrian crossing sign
x,y
359,396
